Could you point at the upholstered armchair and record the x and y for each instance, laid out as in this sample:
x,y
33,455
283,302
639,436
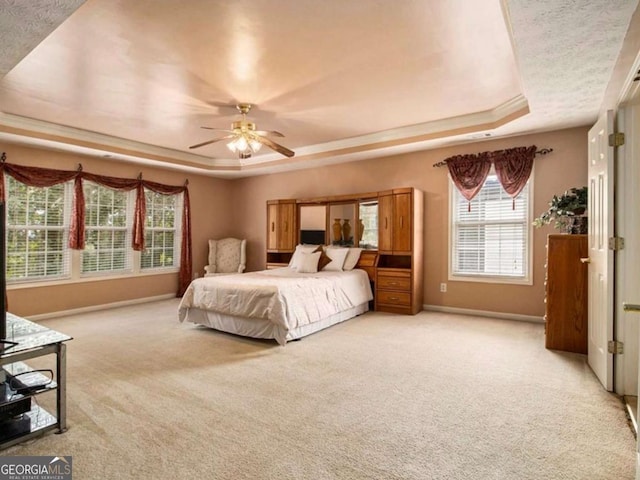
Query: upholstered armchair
x,y
226,256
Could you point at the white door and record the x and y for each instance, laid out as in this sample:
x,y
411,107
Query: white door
x,y
629,258
601,279
627,288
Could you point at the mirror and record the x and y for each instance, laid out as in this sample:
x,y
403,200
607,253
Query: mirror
x,y
313,224
342,230
346,224
368,213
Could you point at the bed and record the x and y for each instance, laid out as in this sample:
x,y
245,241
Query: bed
x,y
280,304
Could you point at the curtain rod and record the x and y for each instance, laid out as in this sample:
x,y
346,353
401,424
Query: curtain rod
x,y
542,151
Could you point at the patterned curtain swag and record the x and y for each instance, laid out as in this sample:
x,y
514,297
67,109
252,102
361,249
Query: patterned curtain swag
x,y
513,169
46,177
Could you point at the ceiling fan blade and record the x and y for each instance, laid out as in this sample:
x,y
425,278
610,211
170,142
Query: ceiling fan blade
x,y
275,146
272,133
218,129
211,141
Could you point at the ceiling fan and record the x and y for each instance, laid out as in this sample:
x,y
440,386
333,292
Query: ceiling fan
x,y
245,139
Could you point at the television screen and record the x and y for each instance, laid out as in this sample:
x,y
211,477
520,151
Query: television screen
x,y
312,237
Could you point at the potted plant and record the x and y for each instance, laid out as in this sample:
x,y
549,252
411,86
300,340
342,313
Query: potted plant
x,y
567,211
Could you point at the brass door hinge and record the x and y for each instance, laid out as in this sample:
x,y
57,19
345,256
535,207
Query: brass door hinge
x,y
616,243
615,347
616,139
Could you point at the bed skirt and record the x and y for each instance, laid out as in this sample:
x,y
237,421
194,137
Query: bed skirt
x,y
257,328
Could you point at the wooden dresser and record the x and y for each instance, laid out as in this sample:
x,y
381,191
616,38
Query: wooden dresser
x,y
566,293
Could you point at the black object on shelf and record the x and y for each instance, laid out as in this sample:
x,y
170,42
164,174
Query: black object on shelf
x,y
12,408
15,427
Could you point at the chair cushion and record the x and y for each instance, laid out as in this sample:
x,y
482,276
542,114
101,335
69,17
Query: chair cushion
x,y
228,255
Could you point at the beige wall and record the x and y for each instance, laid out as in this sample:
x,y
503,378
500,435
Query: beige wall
x,y
238,208
564,168
211,217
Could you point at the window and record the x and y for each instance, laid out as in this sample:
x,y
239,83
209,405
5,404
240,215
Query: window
x,y
491,240
107,230
37,231
369,217
161,234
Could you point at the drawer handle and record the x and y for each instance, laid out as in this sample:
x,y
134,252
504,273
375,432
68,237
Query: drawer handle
x,y
393,283
394,298
273,226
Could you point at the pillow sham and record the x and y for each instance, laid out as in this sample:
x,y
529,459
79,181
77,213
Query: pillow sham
x,y
293,264
352,258
324,258
308,262
337,256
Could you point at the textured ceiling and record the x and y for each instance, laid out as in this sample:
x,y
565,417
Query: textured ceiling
x,y
135,79
24,24
566,52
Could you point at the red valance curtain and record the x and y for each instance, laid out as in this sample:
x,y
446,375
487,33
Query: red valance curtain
x,y
469,172
46,177
513,168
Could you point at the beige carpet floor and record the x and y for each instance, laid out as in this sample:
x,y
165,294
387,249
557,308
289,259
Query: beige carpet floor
x,y
433,396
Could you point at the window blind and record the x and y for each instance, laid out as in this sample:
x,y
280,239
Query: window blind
x,y
107,238
491,235
162,231
37,231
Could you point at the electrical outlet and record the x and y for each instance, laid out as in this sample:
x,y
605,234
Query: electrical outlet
x,y
443,287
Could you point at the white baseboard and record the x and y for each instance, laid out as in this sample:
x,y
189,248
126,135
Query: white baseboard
x,y
105,306
484,313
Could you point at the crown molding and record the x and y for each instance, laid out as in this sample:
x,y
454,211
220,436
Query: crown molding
x,y
30,131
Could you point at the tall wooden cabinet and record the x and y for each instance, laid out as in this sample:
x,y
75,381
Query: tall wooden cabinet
x,y
395,220
399,276
566,293
281,232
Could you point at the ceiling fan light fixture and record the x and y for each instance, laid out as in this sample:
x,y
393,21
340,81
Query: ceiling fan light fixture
x,y
243,144
245,139
255,145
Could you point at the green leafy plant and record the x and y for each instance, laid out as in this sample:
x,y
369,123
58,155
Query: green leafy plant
x,y
563,208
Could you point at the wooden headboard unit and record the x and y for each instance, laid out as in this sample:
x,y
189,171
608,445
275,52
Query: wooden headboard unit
x,y
395,266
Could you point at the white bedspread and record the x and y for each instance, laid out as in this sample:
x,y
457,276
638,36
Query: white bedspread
x,y
281,296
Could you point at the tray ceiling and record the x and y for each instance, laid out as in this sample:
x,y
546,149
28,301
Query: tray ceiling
x,y
136,79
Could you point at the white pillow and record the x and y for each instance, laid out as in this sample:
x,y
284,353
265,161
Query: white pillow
x,y
295,258
337,256
308,262
352,259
